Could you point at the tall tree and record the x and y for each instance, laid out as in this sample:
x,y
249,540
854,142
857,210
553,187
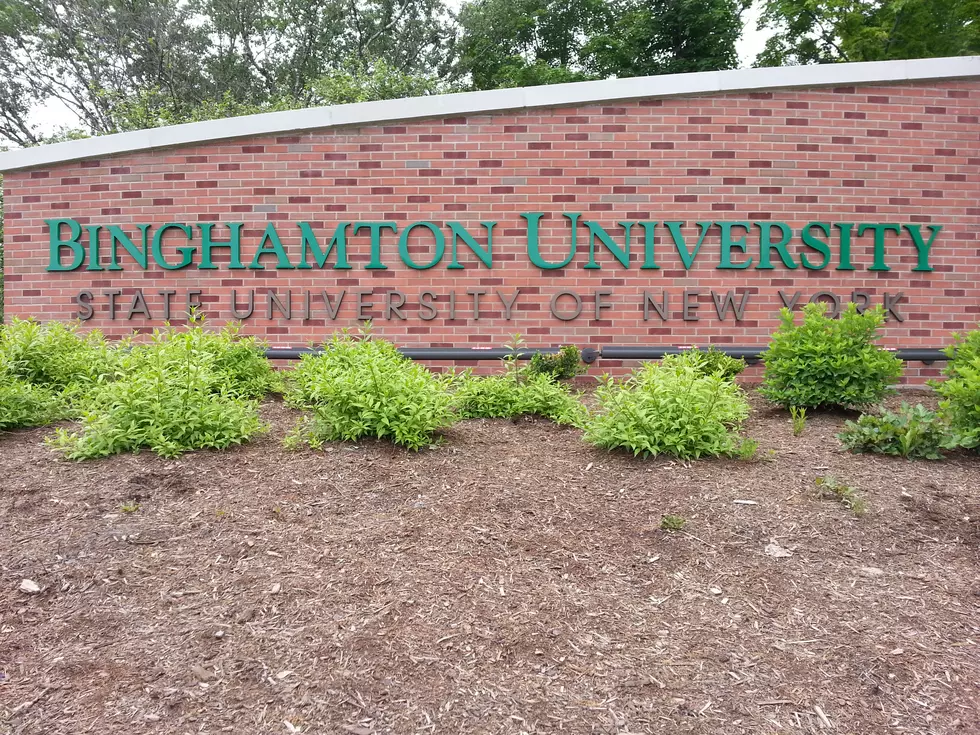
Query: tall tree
x,y
86,54
669,37
505,43
287,44
827,31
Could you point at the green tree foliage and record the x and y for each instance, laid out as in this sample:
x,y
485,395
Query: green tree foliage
x,y
825,31
507,43
668,37
826,362
510,43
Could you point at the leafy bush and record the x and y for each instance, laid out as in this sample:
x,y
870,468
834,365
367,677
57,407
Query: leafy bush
x,y
365,387
23,404
184,390
234,365
709,362
564,365
827,362
513,395
55,355
912,432
961,390
670,409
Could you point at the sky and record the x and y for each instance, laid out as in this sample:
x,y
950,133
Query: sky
x,y
55,115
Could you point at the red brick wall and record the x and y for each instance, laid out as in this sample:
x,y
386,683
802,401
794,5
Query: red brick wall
x,y
896,153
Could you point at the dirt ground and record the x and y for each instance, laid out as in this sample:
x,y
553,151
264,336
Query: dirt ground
x,y
511,580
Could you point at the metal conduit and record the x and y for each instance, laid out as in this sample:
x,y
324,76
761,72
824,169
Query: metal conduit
x,y
589,354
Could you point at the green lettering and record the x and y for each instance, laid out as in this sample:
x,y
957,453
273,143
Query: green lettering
x,y
403,245
649,256
484,254
921,247
880,231
310,245
375,229
687,256
816,244
234,246
766,244
118,237
622,254
271,236
728,242
845,246
534,245
94,259
58,244
186,251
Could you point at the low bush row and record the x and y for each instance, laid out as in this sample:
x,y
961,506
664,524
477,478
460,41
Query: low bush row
x,y
194,388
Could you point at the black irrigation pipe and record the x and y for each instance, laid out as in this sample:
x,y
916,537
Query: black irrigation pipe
x,y
589,354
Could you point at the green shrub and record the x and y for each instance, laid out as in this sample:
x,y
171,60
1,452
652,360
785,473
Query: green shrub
x,y
709,362
365,388
564,365
23,404
55,355
911,432
184,390
960,391
512,395
826,362
669,409
231,364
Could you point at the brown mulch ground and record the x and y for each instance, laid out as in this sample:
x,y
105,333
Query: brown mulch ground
x,y
511,580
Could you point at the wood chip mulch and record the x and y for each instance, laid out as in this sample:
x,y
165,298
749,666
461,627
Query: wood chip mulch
x,y
511,580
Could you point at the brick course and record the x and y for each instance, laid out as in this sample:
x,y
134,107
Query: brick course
x,y
906,153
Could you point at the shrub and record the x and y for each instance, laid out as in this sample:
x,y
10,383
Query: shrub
x,y
513,395
184,390
669,409
230,364
709,362
23,404
827,362
55,355
564,365
365,387
961,390
911,432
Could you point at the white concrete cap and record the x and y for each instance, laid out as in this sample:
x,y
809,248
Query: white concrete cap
x,y
468,103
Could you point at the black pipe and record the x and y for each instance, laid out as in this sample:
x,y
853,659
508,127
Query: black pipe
x,y
589,354
750,354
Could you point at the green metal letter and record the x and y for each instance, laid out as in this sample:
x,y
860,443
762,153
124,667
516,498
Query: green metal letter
x,y
186,251
728,242
375,229
271,236
57,244
234,245
622,254
766,244
923,248
403,245
534,244
310,245
460,233
880,231
817,244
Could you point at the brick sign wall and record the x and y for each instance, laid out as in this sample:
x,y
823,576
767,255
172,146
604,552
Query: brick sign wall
x,y
834,194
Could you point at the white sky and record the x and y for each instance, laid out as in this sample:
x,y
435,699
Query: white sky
x,y
55,115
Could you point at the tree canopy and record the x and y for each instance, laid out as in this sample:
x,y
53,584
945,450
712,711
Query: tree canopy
x,y
114,65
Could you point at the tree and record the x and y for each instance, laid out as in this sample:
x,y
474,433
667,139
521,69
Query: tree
x,y
87,54
826,31
669,37
288,44
505,43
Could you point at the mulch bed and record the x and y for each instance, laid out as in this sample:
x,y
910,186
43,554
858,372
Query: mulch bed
x,y
511,580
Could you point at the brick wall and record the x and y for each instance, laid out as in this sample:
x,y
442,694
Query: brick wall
x,y
895,153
